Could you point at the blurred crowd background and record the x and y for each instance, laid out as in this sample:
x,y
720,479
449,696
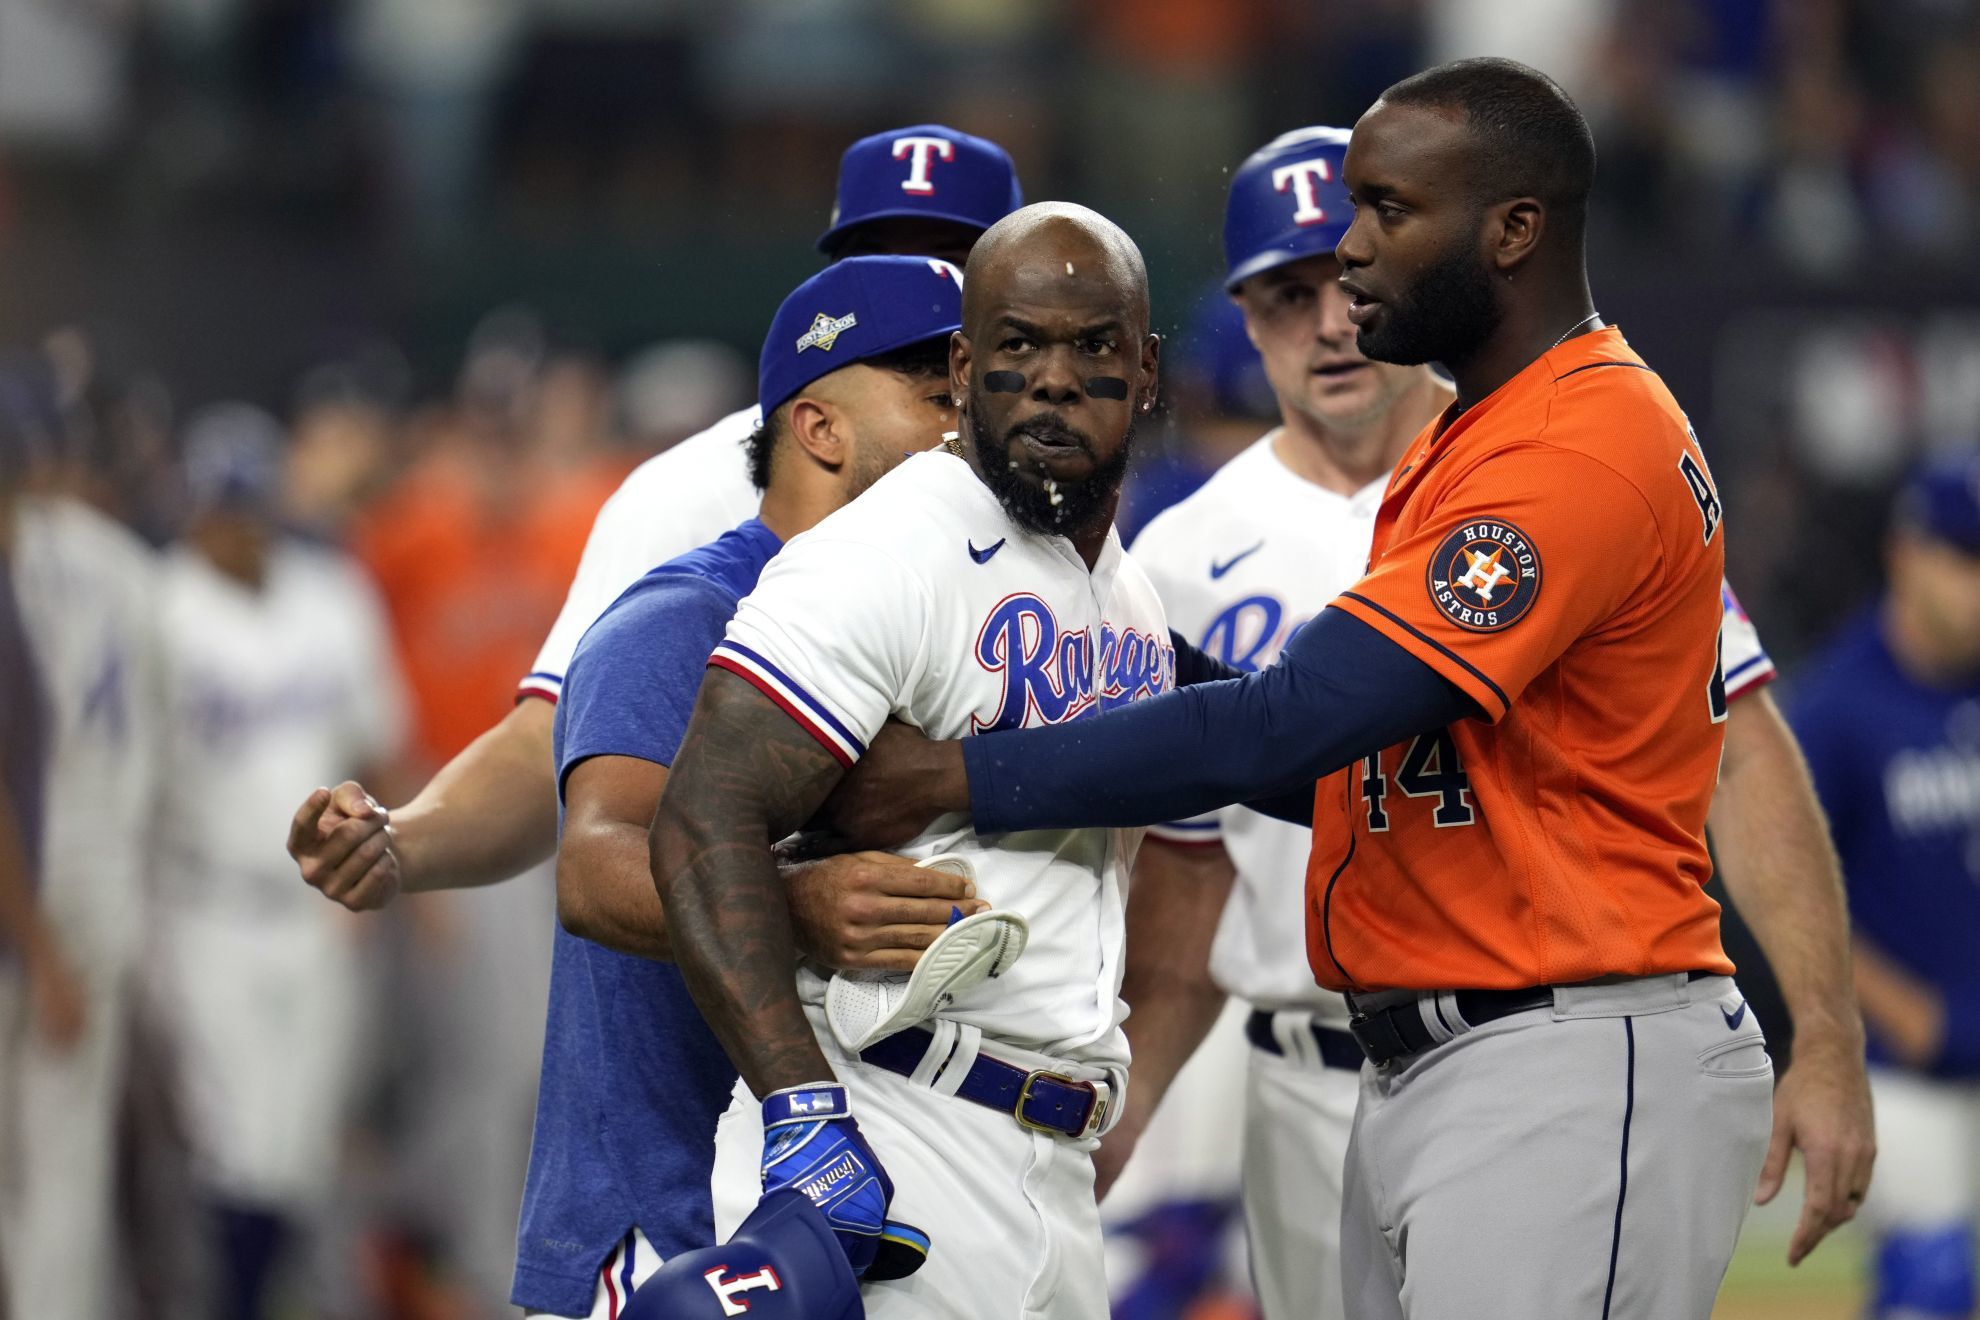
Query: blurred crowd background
x,y
469,261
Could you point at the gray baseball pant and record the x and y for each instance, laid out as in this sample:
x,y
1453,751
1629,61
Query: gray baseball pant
x,y
1588,1161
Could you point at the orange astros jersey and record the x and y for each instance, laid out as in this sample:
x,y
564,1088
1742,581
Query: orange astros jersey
x,y
1555,552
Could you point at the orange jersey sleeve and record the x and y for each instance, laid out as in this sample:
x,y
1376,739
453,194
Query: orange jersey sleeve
x,y
1525,555
1556,553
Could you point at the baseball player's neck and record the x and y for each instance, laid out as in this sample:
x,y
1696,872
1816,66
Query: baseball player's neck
x,y
800,498
1540,309
1346,455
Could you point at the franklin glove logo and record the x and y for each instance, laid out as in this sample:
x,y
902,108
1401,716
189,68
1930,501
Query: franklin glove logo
x,y
820,1185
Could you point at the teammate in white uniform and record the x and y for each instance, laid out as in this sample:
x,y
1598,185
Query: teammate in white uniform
x,y
277,671
491,813
85,587
1266,543
975,589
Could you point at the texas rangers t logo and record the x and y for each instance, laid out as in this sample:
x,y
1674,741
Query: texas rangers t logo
x,y
1485,575
923,151
1305,178
727,1290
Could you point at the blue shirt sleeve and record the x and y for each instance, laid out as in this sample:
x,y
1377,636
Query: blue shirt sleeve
x,y
631,684
1339,691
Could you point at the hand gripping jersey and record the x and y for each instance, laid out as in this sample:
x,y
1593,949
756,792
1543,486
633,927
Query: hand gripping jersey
x,y
1555,552
1240,565
668,505
923,601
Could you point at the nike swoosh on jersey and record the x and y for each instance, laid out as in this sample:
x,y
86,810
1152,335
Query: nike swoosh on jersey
x,y
983,556
1734,1019
1218,570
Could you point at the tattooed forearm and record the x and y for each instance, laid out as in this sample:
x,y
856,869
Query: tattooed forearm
x,y
746,775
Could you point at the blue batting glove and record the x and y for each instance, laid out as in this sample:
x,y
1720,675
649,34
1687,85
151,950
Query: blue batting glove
x,y
812,1144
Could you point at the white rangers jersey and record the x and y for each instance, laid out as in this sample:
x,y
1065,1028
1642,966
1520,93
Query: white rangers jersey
x,y
87,597
1254,553
668,505
266,693
923,601
1240,564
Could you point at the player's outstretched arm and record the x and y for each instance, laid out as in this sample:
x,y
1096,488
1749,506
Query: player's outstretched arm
x,y
747,775
1173,909
1339,691
858,911
1772,841
489,814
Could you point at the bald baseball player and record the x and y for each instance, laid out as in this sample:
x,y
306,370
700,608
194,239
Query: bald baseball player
x,y
1508,731
490,813
853,375
1218,900
978,588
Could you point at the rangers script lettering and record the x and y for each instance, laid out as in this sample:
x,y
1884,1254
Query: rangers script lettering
x,y
1051,672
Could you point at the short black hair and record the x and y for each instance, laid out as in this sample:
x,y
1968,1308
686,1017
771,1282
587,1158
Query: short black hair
x,y
1532,139
926,358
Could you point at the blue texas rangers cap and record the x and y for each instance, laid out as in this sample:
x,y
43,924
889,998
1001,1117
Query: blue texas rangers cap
x,y
783,1264
1942,501
927,171
855,309
1287,202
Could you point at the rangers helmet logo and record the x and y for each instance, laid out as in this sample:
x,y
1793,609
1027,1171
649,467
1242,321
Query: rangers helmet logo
x,y
1485,575
825,331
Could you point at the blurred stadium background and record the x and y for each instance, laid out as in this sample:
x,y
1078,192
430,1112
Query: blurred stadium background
x,y
479,257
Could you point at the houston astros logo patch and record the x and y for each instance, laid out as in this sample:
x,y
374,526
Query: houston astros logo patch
x,y
825,331
1485,576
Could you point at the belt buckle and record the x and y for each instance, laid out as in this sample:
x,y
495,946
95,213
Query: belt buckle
x,y
1096,1110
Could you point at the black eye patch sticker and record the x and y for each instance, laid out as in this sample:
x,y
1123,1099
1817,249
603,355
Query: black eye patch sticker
x,y
1004,382
1107,387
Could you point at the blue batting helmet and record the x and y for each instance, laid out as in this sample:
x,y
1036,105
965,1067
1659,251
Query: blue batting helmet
x,y
926,171
784,1263
1287,202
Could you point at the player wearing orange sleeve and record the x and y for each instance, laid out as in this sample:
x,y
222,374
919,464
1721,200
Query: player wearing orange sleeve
x,y
1567,1101
1554,552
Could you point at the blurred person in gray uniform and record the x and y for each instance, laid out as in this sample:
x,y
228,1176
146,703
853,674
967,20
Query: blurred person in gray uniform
x,y
85,590
276,669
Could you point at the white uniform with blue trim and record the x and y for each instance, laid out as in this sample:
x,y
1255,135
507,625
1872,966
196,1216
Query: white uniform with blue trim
x,y
1240,564
675,501
86,588
924,601
292,683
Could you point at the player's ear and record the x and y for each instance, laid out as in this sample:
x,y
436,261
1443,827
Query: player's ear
x,y
817,430
1151,375
1514,231
960,352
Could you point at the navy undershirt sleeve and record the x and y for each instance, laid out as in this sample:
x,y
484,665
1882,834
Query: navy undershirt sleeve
x,y
1194,666
1339,691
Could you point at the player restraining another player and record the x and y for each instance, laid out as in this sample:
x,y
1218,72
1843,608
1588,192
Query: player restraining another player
x,y
1262,547
1515,719
632,1082
979,588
